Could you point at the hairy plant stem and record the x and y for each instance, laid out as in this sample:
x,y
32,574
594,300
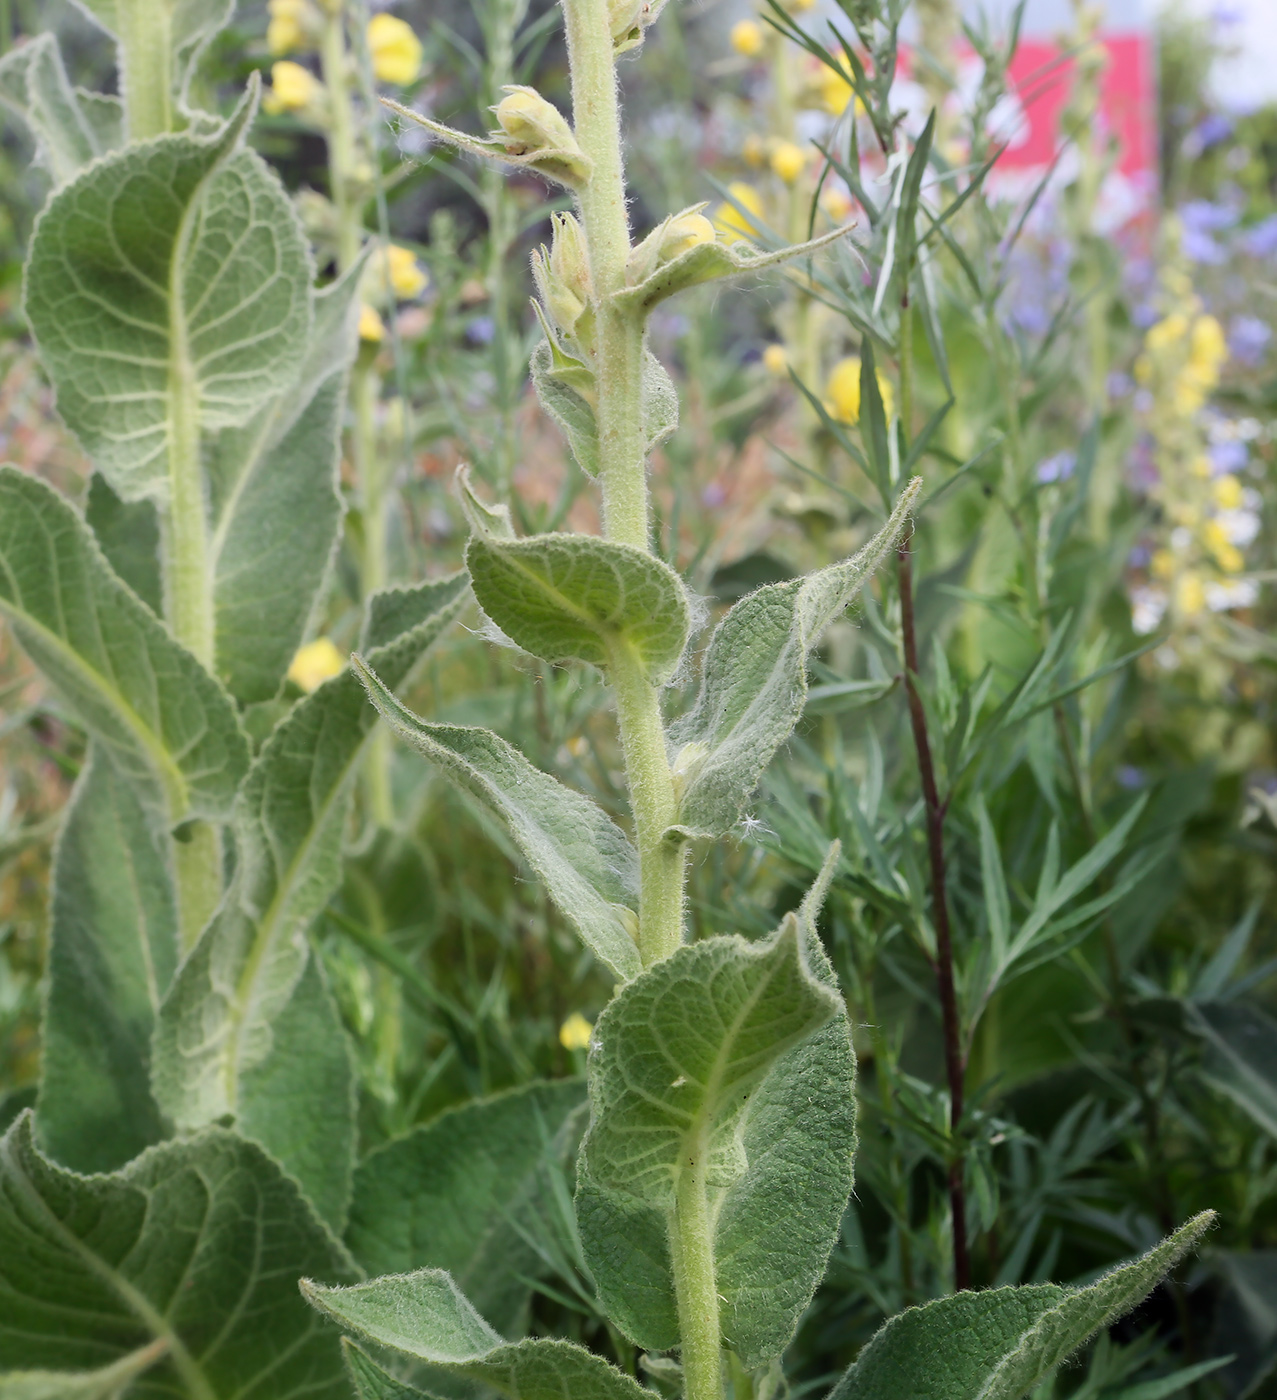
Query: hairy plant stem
x,y
623,464
145,32
692,1256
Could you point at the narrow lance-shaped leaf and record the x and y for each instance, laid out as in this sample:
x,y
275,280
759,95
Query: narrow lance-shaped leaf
x,y
217,1031
34,85
166,283
191,1246
425,1316
580,598
587,864
168,726
276,507
754,685
702,1058
998,1345
460,1193
113,948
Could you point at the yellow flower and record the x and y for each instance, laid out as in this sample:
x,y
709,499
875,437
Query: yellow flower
x,y
1162,564
837,204
371,328
843,389
315,663
1207,350
753,151
1228,492
1166,332
1223,550
396,268
292,88
730,222
575,1032
835,92
788,161
775,360
1190,596
290,27
747,37
684,233
395,50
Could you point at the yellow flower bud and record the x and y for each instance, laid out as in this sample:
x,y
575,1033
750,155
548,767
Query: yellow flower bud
x,y
315,663
843,390
684,232
837,204
393,274
395,50
732,224
293,25
1228,492
747,38
530,123
775,360
371,327
293,88
624,19
788,161
753,150
563,277
575,1032
1207,348
1190,596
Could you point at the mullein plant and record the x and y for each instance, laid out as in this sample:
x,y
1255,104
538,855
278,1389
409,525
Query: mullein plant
x,y
191,1159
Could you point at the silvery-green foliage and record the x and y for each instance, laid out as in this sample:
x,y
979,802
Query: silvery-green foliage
x,y
219,1038
184,1248
168,726
463,1193
424,1316
168,289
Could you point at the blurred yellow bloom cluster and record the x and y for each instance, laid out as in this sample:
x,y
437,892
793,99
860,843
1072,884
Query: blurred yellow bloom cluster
x,y
732,225
294,26
1184,353
842,391
293,89
315,663
392,274
575,1032
395,50
297,26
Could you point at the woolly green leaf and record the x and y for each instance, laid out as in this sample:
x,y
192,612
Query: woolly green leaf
x,y
583,858
276,507
998,1345
754,685
168,726
113,947
424,1315
129,534
563,385
579,598
168,289
709,262
740,1053
192,1245
369,1380
225,1015
104,1384
460,1194
34,85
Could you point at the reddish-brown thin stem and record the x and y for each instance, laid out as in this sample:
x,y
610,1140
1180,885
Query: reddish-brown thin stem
x,y
940,905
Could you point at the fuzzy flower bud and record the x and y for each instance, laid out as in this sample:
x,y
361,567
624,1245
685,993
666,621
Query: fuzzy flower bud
x,y
531,124
667,241
563,278
395,50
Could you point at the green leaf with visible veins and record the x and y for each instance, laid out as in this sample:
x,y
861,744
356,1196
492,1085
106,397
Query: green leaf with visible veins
x,y
168,290
113,948
34,85
194,1244
105,1384
583,858
578,598
129,533
216,1033
460,1193
998,1345
754,686
425,1316
738,1054
168,726
276,507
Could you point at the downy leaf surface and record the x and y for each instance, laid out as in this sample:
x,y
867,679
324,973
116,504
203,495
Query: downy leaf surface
x,y
167,725
168,289
425,1316
586,862
277,509
34,86
218,1026
129,535
193,1244
578,598
107,1383
461,1194
999,1344
113,948
754,685
369,1380
746,1046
